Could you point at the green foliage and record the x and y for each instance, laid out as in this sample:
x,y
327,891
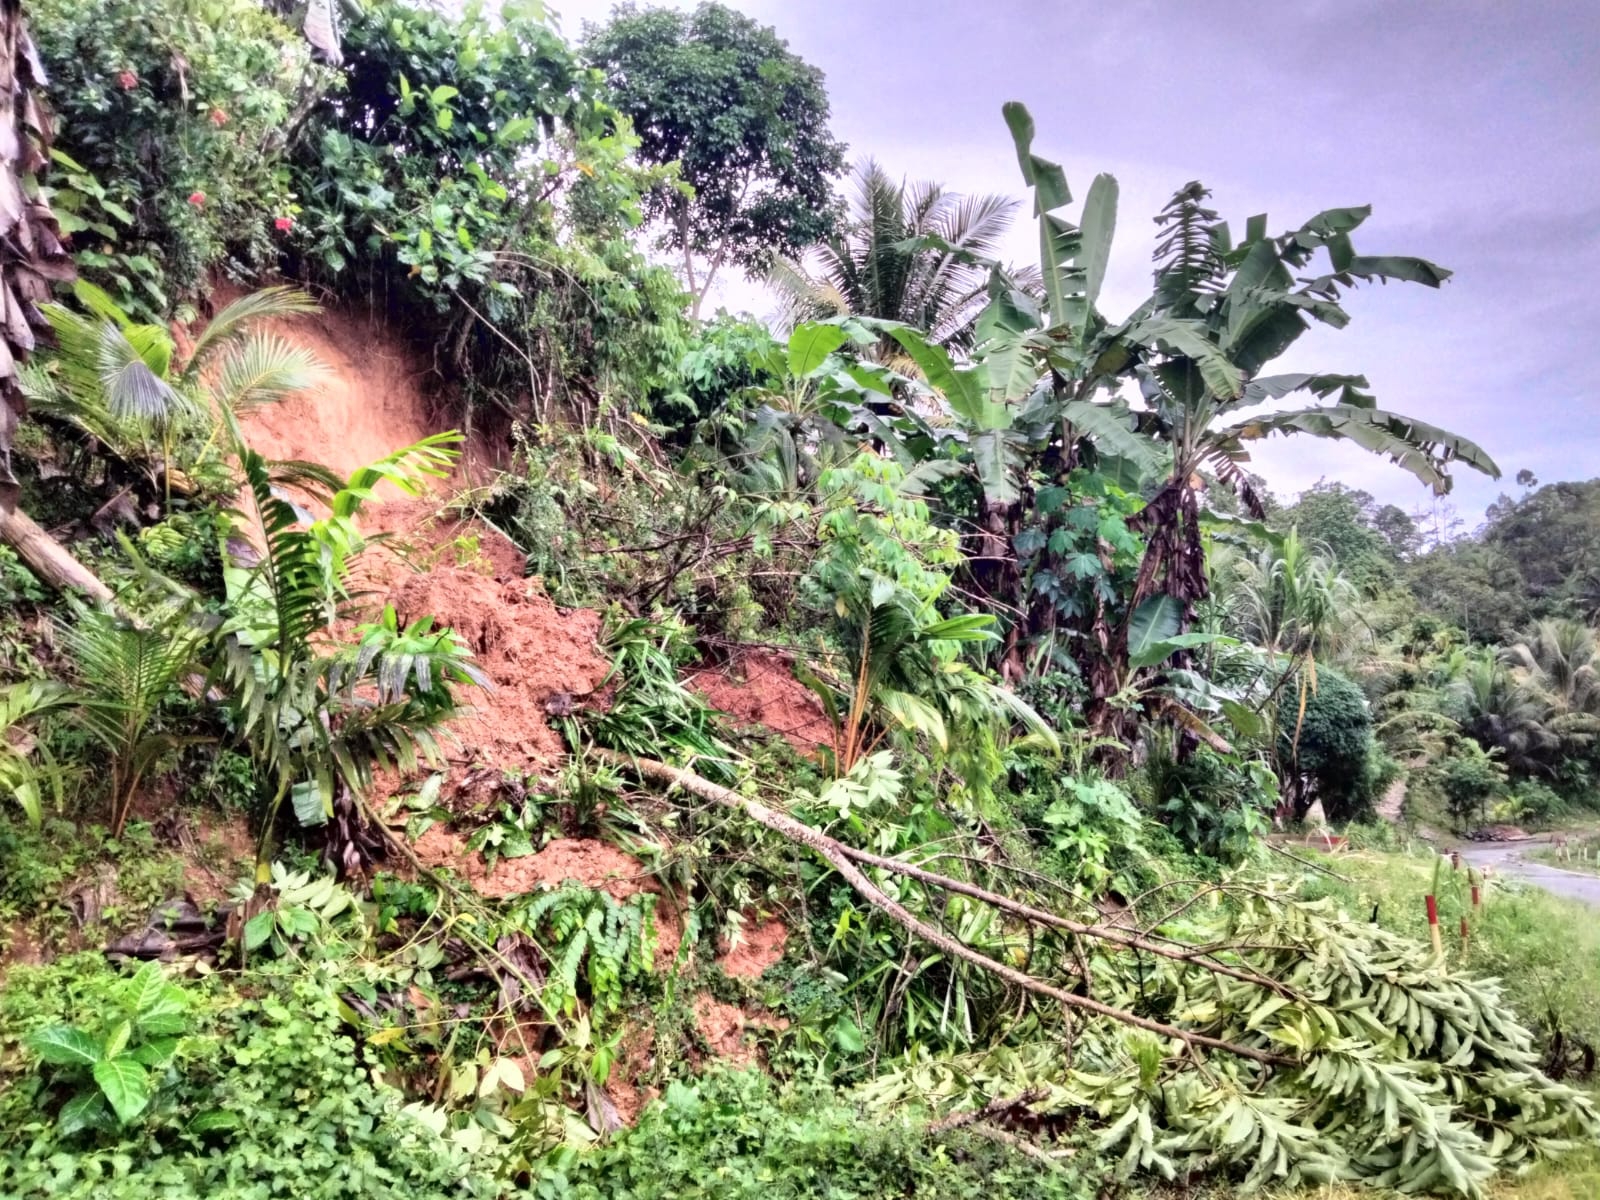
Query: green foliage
x,y
126,674
466,169
739,1136
593,938
1216,804
1413,1077
1469,777
175,157
652,714
28,776
111,1071
267,1092
1326,749
743,117
48,873
320,720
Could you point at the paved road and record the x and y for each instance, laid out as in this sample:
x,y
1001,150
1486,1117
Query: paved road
x,y
1508,859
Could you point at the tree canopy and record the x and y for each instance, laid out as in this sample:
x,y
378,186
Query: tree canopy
x,y
744,118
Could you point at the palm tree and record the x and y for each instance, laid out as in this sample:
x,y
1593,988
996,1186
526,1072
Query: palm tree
x,y
908,252
1498,710
119,382
1557,669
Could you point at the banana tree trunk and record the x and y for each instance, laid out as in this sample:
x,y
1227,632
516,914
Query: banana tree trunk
x,y
48,558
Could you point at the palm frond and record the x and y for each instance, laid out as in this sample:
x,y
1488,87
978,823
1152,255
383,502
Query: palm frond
x,y
261,369
233,321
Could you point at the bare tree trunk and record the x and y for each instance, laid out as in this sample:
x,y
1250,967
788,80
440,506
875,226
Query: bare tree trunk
x,y
48,559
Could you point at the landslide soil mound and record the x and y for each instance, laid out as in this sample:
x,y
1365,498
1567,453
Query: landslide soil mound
x,y
759,688
455,568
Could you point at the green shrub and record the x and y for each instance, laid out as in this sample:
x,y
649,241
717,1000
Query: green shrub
x,y
736,1136
175,114
268,1096
1331,748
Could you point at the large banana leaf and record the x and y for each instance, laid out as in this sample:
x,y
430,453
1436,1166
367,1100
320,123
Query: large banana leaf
x,y
1072,258
1424,450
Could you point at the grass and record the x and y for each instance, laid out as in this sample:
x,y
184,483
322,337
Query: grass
x,y
1546,950
1582,855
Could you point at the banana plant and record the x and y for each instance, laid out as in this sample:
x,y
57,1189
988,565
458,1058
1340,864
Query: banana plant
x,y
1220,313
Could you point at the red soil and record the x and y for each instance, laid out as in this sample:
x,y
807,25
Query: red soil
x,y
534,654
760,689
370,403
724,1026
758,948
593,864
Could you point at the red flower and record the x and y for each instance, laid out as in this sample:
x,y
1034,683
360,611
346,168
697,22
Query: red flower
x,y
283,224
218,117
127,81
198,199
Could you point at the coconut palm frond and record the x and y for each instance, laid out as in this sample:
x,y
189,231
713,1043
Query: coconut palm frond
x,y
262,369
271,303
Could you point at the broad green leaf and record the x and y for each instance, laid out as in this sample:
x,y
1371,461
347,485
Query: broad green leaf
x,y
1154,622
1159,651
847,1036
994,475
915,714
810,345
962,390
1098,226
214,1120
259,928
64,1046
1112,428
147,987
117,1039
86,1110
313,804
125,1085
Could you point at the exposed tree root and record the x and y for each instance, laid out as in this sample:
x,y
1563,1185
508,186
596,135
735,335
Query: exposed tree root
x,y
844,859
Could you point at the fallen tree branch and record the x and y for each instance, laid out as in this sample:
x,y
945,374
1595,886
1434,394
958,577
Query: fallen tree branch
x,y
840,857
995,1107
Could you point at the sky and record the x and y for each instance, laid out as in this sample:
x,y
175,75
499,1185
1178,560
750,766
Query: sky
x,y
1472,127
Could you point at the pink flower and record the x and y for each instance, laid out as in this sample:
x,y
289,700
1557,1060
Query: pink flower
x,y
218,118
198,199
127,81
283,224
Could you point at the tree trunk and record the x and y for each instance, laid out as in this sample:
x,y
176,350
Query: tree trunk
x,y
48,559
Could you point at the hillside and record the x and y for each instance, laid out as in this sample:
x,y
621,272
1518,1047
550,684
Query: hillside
x,y
474,723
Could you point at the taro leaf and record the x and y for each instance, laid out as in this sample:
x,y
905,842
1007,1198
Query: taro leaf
x,y
125,1085
65,1046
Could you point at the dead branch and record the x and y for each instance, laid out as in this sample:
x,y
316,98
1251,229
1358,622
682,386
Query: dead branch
x,y
840,857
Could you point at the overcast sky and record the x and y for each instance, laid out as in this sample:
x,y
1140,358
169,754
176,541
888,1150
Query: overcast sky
x,y
1471,126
